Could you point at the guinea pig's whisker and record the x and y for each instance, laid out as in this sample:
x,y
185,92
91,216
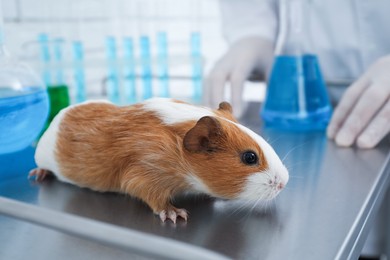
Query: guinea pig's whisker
x,y
241,207
267,206
292,149
254,206
249,208
273,141
296,177
290,166
268,175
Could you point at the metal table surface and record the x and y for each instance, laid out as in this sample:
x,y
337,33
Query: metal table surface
x,y
325,211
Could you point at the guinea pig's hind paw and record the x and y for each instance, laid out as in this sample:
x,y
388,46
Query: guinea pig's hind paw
x,y
40,174
172,214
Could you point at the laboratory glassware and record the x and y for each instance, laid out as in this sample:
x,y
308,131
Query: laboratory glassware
x,y
163,67
24,103
197,68
146,67
113,75
196,51
78,66
296,97
129,71
58,91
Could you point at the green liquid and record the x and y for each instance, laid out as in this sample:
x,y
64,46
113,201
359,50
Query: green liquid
x,y
59,99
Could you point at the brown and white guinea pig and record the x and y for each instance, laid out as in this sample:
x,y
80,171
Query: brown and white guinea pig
x,y
157,149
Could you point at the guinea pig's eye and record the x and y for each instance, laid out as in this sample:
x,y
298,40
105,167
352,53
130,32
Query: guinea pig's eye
x,y
249,158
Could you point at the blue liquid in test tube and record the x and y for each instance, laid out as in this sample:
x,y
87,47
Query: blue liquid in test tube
x,y
59,75
129,70
43,40
197,70
162,49
113,79
78,59
146,67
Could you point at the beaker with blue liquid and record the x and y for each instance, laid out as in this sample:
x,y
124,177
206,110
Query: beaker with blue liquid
x,y
296,97
24,104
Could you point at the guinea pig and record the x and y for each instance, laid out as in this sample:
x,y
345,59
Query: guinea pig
x,y
157,149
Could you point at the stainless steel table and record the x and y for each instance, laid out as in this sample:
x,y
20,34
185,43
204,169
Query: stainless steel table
x,y
325,212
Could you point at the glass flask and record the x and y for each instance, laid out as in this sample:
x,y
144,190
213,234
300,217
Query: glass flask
x,y
24,104
296,97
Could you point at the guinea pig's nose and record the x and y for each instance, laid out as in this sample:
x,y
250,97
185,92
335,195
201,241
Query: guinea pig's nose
x,y
280,186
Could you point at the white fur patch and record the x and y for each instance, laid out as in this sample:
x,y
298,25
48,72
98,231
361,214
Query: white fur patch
x,y
45,152
197,184
256,187
261,186
171,112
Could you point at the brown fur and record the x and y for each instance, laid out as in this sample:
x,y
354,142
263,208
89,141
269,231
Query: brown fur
x,y
129,150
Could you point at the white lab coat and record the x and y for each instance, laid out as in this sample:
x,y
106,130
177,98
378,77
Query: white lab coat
x,y
347,35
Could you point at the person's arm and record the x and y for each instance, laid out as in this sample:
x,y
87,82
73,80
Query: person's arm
x,y
363,114
250,28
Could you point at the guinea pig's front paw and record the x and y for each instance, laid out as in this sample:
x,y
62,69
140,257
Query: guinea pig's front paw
x,y
172,213
39,174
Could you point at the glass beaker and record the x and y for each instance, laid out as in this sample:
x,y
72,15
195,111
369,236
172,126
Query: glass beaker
x,y
24,103
296,97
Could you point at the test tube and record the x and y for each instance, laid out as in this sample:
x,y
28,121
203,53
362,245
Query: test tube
x,y
197,68
196,53
129,70
162,49
43,40
128,45
78,9
113,78
57,49
58,91
78,66
144,43
146,67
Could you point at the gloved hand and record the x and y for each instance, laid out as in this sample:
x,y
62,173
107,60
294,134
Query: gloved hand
x,y
363,114
245,56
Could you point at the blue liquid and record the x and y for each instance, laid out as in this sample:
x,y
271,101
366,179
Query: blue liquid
x,y
113,78
197,69
22,118
162,52
129,71
296,96
43,40
79,76
146,67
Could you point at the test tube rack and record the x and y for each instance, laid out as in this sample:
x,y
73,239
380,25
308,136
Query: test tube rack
x,y
130,75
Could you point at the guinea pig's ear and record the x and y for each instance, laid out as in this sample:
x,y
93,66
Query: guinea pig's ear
x,y
226,110
225,106
203,136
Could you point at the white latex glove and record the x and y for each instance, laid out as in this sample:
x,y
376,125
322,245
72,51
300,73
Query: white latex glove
x,y
243,57
363,114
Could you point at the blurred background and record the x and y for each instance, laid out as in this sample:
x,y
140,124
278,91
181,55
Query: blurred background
x,y
117,48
